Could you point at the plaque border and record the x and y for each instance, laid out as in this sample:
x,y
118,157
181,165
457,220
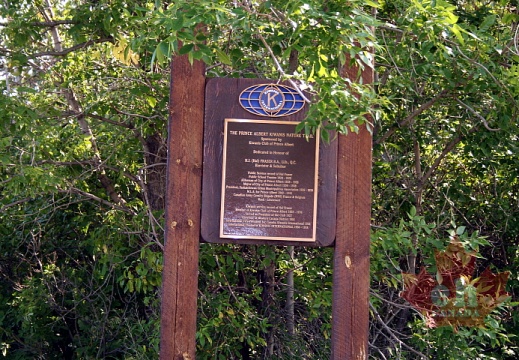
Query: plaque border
x,y
315,184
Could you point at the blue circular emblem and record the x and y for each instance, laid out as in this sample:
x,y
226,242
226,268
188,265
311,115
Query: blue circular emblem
x,y
271,100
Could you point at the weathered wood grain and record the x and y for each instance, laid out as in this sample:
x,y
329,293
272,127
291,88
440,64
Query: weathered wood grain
x,y
184,176
351,258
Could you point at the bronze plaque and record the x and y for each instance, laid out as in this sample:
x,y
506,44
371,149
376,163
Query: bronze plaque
x,y
269,181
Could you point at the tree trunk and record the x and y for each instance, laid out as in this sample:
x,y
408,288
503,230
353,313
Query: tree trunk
x,y
290,297
267,302
155,175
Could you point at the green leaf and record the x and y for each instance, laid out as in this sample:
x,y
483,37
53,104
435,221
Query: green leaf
x,y
460,230
488,22
322,71
367,58
412,212
311,75
300,127
325,135
186,49
223,57
456,29
161,53
177,24
372,4
151,101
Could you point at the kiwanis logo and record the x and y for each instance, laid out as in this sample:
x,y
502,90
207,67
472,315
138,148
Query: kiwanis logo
x,y
272,100
453,297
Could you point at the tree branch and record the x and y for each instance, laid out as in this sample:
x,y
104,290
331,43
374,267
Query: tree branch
x,y
93,164
483,120
104,119
54,23
136,115
75,107
73,190
392,303
275,60
391,333
7,206
497,81
73,48
280,68
450,146
152,219
414,114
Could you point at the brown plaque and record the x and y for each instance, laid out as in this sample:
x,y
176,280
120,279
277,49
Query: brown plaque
x,y
269,181
222,102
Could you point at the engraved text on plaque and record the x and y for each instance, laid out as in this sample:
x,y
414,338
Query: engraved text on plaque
x,y
269,181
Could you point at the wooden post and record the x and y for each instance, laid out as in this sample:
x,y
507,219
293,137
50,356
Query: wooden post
x,y
183,202
350,310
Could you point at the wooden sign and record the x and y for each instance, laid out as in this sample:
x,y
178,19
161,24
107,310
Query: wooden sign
x,y
198,110
306,165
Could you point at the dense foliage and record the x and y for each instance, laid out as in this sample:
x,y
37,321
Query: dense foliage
x,y
83,113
